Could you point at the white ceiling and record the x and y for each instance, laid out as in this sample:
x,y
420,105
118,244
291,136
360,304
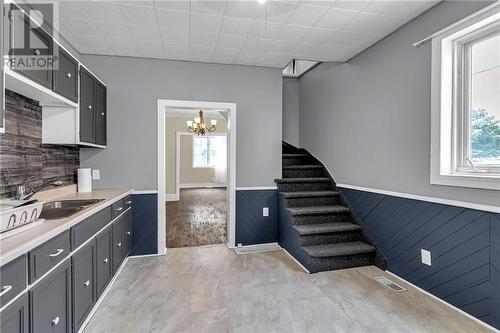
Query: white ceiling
x,y
233,31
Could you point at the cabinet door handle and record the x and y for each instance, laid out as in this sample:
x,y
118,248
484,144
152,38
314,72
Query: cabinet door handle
x,y
55,321
119,244
128,202
119,208
5,290
68,75
86,283
89,107
102,114
57,253
128,233
106,260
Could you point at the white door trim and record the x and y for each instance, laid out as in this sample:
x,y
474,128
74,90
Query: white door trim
x,y
163,104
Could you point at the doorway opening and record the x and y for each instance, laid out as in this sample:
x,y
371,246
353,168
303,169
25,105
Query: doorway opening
x,y
196,175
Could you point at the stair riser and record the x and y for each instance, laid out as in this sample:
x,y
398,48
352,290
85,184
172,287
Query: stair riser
x,y
303,173
334,263
310,202
317,219
297,160
302,187
339,237
291,150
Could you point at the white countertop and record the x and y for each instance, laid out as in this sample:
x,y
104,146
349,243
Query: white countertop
x,y
14,246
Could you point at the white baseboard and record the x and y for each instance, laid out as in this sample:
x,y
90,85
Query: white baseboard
x,y
296,261
171,197
149,255
257,248
103,295
198,185
479,321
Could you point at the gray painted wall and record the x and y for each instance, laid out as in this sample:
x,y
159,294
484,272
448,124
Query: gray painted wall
x,y
368,120
135,84
291,111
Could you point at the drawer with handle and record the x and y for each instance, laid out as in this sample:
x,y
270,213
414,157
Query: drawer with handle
x,y
117,208
81,232
13,279
47,255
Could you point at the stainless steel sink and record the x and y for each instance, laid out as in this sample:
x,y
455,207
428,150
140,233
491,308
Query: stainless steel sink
x,y
64,208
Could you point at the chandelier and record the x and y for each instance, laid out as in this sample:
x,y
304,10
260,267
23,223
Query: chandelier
x,y
199,127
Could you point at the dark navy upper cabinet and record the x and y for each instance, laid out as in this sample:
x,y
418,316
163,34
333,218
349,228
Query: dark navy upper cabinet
x,y
84,273
66,76
93,112
51,301
101,115
15,318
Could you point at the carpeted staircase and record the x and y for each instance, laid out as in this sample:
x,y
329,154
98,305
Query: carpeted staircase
x,y
316,224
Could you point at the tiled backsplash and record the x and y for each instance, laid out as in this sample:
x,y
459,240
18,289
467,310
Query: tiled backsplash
x,y
22,153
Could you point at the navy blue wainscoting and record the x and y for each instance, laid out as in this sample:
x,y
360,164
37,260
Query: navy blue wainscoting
x,y
145,224
464,245
251,227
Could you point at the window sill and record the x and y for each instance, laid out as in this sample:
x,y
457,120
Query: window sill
x,y
472,180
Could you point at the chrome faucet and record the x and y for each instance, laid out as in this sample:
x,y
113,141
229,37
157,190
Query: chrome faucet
x,y
21,189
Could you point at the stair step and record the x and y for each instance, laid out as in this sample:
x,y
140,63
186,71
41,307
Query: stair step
x,y
318,210
301,166
309,194
302,180
326,228
338,249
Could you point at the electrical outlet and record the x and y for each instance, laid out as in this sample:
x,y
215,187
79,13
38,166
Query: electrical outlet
x,y
426,257
96,174
265,211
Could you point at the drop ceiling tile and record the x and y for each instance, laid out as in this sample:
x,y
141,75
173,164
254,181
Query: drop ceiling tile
x,y
249,58
110,29
373,23
225,55
319,36
177,51
235,26
121,45
412,9
208,7
356,5
81,27
145,33
353,39
92,42
306,15
309,51
263,29
383,7
177,19
167,4
335,19
72,10
275,59
292,32
230,41
256,44
281,46
205,23
201,51
277,11
203,38
242,9
138,14
338,53
174,36
318,3
102,11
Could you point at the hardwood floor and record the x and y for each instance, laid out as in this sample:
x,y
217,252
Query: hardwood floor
x,y
198,218
212,289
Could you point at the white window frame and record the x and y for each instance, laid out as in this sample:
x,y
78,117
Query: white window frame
x,y
449,116
192,159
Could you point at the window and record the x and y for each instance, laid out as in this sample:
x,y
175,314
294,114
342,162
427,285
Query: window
x,y
465,119
204,150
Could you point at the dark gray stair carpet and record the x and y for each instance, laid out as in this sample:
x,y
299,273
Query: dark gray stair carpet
x,y
325,228
310,194
302,180
338,249
302,166
318,210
